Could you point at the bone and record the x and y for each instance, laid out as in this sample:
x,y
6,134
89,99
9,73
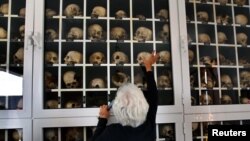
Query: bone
x,y
118,33
241,19
195,126
17,134
98,11
245,79
204,38
74,134
75,33
244,61
140,17
244,100
18,57
206,99
226,81
3,33
51,134
190,56
222,2
226,99
73,57
142,55
193,101
138,81
51,34
70,80
202,16
52,104
164,81
96,32
164,57
19,105
207,81
222,38
120,78
97,83
51,57
97,58
162,14
164,33
49,13
72,104
242,39
119,57
4,8
207,60
240,2
120,14
167,131
224,60
72,10
223,19
22,12
143,34
22,31
49,80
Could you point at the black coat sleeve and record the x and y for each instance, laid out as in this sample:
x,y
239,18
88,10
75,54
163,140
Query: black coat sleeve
x,y
101,126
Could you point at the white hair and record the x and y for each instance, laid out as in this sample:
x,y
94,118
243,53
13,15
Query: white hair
x,y
130,106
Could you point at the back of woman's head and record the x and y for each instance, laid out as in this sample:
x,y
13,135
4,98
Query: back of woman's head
x,y
130,106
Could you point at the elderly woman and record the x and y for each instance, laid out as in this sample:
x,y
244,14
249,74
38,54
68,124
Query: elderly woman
x,y
134,109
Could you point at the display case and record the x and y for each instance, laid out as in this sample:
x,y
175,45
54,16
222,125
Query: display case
x,y
214,56
196,126
87,49
15,130
64,129
15,58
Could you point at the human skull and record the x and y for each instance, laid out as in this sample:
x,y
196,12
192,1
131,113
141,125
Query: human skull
x,y
120,14
73,57
195,126
222,2
141,56
240,2
164,57
226,81
51,57
97,58
22,31
206,99
143,34
204,38
202,16
72,10
19,105
241,38
49,13
51,134
207,60
223,19
241,19
222,38
164,33
119,57
70,79
245,79
74,134
22,12
119,78
52,104
224,61
97,83
95,32
49,80
140,17
72,104
4,8
190,56
167,131
138,81
18,57
3,33
226,99
98,11
51,34
118,33
164,81
244,100
75,33
17,134
210,82
162,14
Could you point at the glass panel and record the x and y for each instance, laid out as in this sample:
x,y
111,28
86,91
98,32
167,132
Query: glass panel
x,y
11,134
219,72
12,30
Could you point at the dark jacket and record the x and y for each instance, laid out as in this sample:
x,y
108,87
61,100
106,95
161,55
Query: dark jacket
x,y
144,132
